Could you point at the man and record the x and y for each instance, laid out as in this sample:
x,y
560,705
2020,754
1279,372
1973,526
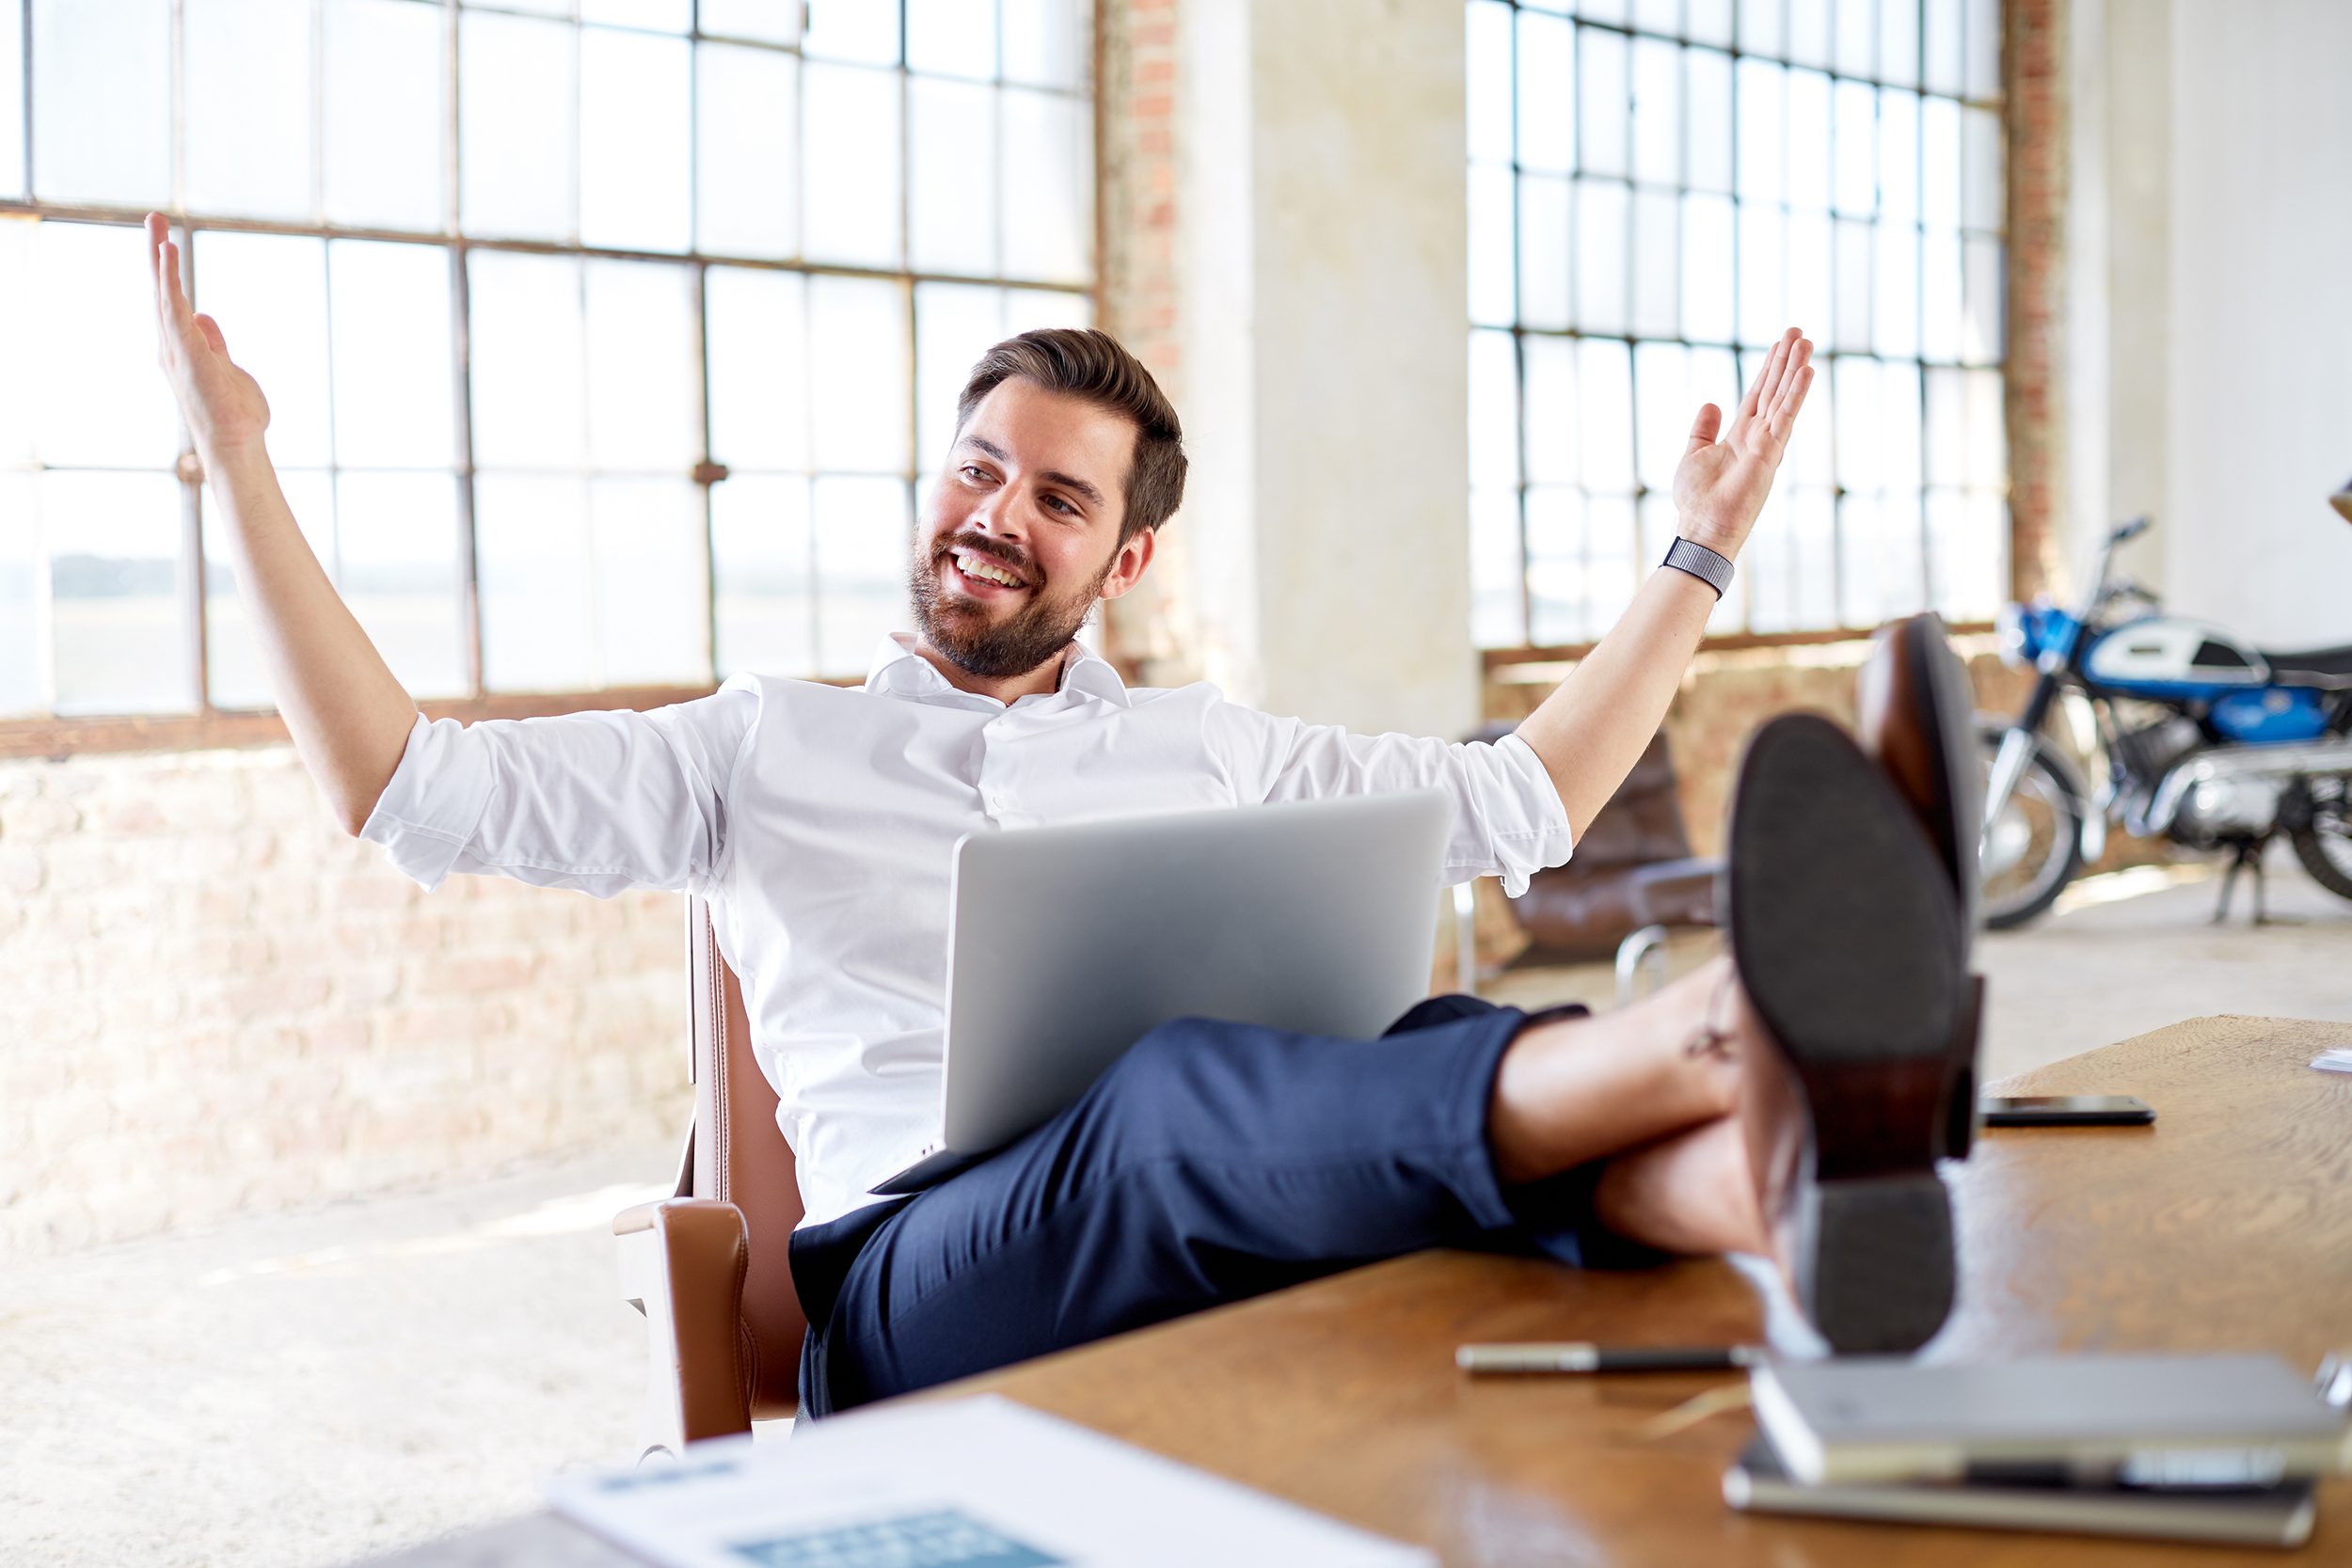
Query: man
x,y
1213,1161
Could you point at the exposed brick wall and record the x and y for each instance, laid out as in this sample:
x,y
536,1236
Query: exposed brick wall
x,y
2034,82
211,999
1142,262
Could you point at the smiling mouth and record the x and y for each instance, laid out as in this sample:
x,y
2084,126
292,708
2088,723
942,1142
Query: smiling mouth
x,y
980,572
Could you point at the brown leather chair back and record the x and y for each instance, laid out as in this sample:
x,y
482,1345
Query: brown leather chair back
x,y
739,1156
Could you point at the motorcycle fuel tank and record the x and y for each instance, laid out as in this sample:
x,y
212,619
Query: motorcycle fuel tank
x,y
2168,655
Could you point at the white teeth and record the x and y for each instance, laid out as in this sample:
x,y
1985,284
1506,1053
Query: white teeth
x,y
973,565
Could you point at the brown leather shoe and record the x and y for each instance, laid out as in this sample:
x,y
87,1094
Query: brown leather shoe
x,y
1851,952
1915,715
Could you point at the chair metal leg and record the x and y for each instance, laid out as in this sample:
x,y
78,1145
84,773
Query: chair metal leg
x,y
1631,952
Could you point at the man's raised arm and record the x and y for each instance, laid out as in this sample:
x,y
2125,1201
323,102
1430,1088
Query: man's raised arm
x,y
348,713
1593,729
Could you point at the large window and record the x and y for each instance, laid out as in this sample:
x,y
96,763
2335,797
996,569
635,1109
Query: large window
x,y
1657,188
606,340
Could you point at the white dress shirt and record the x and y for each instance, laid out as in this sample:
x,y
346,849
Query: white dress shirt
x,y
819,822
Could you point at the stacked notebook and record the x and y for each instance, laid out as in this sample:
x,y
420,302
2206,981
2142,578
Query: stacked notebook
x,y
2202,1448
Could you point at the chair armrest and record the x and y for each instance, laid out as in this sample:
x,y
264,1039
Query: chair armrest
x,y
682,1263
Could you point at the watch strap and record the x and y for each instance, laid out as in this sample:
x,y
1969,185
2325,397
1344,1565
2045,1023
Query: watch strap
x,y
1703,564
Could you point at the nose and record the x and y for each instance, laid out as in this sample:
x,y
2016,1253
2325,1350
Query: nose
x,y
995,515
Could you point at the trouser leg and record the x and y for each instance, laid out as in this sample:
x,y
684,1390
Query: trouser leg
x,y
1213,1162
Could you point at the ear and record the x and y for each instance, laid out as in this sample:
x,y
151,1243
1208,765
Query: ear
x,y
1128,564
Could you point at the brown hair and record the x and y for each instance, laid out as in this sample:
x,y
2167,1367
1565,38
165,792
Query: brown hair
x,y
1083,363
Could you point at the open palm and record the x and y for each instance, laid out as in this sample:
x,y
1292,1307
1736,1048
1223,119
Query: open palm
x,y
223,405
1720,484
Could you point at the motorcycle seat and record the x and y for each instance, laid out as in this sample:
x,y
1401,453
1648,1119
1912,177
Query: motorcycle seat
x,y
2314,661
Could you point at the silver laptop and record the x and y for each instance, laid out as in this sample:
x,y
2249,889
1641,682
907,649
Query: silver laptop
x,y
1067,944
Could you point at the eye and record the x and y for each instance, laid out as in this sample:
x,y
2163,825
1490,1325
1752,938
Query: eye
x,y
973,472
1061,506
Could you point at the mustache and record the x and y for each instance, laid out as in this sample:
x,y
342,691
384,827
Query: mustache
x,y
976,544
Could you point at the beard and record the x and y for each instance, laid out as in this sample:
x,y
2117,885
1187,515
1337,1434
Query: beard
x,y
962,630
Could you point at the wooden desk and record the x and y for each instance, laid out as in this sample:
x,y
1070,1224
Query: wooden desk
x,y
2226,1225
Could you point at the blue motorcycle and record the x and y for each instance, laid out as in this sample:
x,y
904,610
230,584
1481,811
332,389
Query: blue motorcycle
x,y
2208,741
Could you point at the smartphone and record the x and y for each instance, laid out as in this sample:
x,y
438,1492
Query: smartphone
x,y
2066,1110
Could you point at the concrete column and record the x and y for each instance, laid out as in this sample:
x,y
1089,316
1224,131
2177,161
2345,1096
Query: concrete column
x,y
1323,331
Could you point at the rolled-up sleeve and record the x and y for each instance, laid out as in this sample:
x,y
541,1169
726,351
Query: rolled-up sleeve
x,y
599,801
1508,821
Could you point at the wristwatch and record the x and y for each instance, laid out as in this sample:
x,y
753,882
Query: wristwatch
x,y
1701,562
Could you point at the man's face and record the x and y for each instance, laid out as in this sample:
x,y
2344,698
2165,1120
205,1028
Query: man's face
x,y
1034,492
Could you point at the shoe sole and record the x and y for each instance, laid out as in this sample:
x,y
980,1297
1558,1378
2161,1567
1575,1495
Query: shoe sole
x,y
1849,942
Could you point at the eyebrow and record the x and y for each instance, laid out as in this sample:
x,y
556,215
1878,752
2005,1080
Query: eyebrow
x,y
1051,476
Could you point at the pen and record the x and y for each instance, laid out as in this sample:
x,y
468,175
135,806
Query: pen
x,y
1573,1356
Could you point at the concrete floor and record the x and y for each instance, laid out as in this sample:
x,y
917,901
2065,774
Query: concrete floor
x,y
309,1389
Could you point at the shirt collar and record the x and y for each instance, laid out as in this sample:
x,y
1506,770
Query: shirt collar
x,y
899,671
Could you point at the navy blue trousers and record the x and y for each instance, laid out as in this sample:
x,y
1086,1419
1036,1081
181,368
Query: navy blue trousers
x,y
1212,1162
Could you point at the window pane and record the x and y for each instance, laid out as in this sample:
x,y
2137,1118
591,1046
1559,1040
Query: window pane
x,y
1898,155
1858,426
383,109
529,362
1849,323
1604,375
1495,570
1556,584
953,38
1025,308
1709,119
1663,411
1656,272
396,539
1708,20
1763,298
1946,458
1487,82
1763,131
858,354
102,121
1767,567
1600,255
759,544
1714,378
849,168
662,16
1657,111
1808,139
1857,37
1809,32
1494,408
635,159
1988,437
11,138
537,582
1612,539
759,333
1547,95
951,127
268,293
1857,148
954,324
1939,162
746,181
1491,264
1981,326
248,107
232,651
390,322
1603,101
1544,230
653,581
19,323
120,635
1549,364
1985,49
96,396
1812,280
1900,417
1981,202
1810,449
1898,42
518,152
1707,242
1940,298
769,21
1762,29
846,30
1657,16
1942,47
645,399
1049,188
1813,535
23,593
1894,325
1049,43
862,527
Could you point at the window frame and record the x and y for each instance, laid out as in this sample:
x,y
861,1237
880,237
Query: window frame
x,y
209,725
1496,659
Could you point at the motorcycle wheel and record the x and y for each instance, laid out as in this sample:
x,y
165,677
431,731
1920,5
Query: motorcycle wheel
x,y
2036,847
2323,841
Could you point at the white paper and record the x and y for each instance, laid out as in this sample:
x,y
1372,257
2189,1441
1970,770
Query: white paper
x,y
2337,1060
969,1483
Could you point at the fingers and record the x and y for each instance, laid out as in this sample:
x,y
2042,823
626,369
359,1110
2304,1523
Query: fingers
x,y
1703,429
1766,384
1782,418
211,329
